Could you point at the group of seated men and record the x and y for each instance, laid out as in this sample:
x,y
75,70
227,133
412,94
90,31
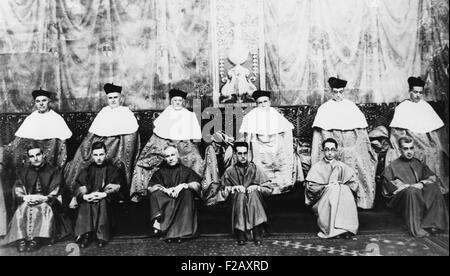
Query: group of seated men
x,y
409,187
173,189
335,186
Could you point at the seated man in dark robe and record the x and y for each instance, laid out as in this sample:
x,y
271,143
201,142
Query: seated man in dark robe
x,y
247,185
39,216
173,189
412,189
96,189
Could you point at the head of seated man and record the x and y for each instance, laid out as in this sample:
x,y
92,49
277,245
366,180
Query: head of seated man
x,y
262,98
35,156
114,99
416,94
177,103
177,99
42,100
337,94
263,101
330,147
406,145
42,104
171,155
113,95
99,153
416,89
241,150
337,88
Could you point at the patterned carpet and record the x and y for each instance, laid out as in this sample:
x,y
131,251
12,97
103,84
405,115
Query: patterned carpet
x,y
366,244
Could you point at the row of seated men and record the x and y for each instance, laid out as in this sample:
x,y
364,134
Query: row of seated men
x,y
409,184
267,133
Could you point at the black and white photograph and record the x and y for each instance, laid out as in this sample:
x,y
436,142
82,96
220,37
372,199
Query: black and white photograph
x,y
239,129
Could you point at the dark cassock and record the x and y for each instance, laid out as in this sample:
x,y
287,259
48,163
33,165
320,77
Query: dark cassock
x,y
177,216
248,209
45,220
3,217
421,209
98,217
334,205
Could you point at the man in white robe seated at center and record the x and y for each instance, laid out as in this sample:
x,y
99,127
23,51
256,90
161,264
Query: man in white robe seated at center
x,y
330,185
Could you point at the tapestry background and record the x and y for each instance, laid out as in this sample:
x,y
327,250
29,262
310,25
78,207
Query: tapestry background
x,y
73,47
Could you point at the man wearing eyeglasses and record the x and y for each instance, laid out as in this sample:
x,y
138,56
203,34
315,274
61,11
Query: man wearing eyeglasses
x,y
246,185
330,185
415,118
411,188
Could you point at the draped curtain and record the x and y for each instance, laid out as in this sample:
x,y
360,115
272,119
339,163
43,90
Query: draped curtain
x,y
74,46
374,44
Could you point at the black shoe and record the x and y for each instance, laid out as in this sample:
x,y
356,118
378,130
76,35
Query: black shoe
x,y
21,246
84,241
157,233
347,235
240,235
241,242
434,231
33,245
101,243
257,235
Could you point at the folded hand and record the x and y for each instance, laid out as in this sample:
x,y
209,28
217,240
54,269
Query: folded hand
x,y
238,189
252,188
417,186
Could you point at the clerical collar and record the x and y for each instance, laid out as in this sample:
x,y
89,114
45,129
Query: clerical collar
x,y
242,165
46,112
101,165
404,159
328,161
40,167
174,166
415,102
